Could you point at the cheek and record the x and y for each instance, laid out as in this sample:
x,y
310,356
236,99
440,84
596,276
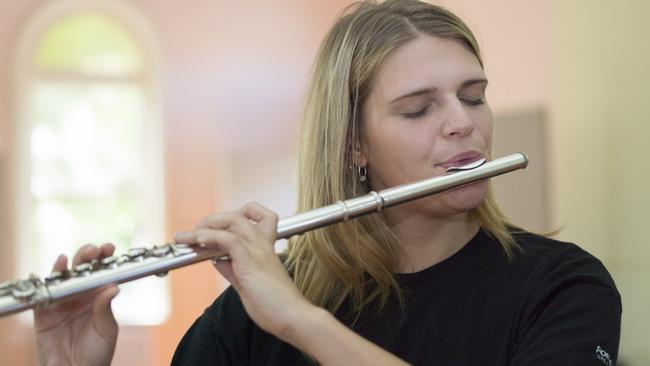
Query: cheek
x,y
483,127
394,159
487,136
400,149
486,129
391,140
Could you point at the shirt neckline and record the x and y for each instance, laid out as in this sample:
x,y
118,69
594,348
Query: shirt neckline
x,y
452,261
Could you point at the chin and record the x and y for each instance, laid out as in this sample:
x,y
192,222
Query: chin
x,y
453,202
466,198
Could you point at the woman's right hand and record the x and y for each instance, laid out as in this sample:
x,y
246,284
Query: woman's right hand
x,y
82,330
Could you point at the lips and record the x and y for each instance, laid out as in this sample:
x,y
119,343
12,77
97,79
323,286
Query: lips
x,y
463,158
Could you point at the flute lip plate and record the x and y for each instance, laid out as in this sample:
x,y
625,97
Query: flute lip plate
x,y
472,165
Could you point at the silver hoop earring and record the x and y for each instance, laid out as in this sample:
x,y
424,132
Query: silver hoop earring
x,y
363,174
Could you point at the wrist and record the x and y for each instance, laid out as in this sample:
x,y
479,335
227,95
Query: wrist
x,y
308,320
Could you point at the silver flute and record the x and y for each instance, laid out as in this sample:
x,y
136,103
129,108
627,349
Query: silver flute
x,y
20,295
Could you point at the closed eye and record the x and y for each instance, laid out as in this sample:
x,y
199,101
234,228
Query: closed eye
x,y
420,113
473,101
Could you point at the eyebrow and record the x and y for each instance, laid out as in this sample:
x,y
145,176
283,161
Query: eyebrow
x,y
473,81
414,93
431,90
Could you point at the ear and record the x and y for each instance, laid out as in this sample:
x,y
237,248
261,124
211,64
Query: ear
x,y
359,153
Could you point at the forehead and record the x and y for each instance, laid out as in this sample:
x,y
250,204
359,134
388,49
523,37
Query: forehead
x,y
426,62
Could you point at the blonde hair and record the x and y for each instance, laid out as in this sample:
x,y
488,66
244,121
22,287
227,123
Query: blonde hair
x,y
355,260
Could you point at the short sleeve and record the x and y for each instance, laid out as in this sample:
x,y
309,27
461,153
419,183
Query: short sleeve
x,y
573,314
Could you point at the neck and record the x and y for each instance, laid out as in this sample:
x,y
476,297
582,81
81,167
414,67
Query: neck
x,y
426,241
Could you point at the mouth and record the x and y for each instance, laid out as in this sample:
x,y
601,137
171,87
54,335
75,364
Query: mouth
x,y
462,159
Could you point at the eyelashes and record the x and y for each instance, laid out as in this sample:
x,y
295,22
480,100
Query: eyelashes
x,y
421,112
474,101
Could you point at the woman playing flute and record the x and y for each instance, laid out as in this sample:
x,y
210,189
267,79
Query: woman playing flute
x,y
398,94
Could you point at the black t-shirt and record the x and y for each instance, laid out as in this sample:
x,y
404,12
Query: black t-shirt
x,y
554,304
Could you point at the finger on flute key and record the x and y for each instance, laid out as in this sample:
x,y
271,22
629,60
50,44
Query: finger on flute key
x,y
89,252
107,250
60,264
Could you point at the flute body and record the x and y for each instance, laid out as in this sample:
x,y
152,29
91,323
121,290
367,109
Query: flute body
x,y
20,295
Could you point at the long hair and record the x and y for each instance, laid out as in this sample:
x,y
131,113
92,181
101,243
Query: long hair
x,y
356,260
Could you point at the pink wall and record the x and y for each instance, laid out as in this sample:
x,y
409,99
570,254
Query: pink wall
x,y
252,58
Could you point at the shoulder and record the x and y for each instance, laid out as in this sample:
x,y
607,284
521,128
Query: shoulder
x,y
225,334
219,335
569,306
553,260
560,276
227,313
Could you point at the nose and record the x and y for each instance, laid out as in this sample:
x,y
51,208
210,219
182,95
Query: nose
x,y
458,122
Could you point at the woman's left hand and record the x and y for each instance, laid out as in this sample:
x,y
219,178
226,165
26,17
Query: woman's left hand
x,y
254,269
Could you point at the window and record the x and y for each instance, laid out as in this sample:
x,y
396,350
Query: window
x,y
90,153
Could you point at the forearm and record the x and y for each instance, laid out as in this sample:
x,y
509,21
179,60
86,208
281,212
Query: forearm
x,y
327,340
